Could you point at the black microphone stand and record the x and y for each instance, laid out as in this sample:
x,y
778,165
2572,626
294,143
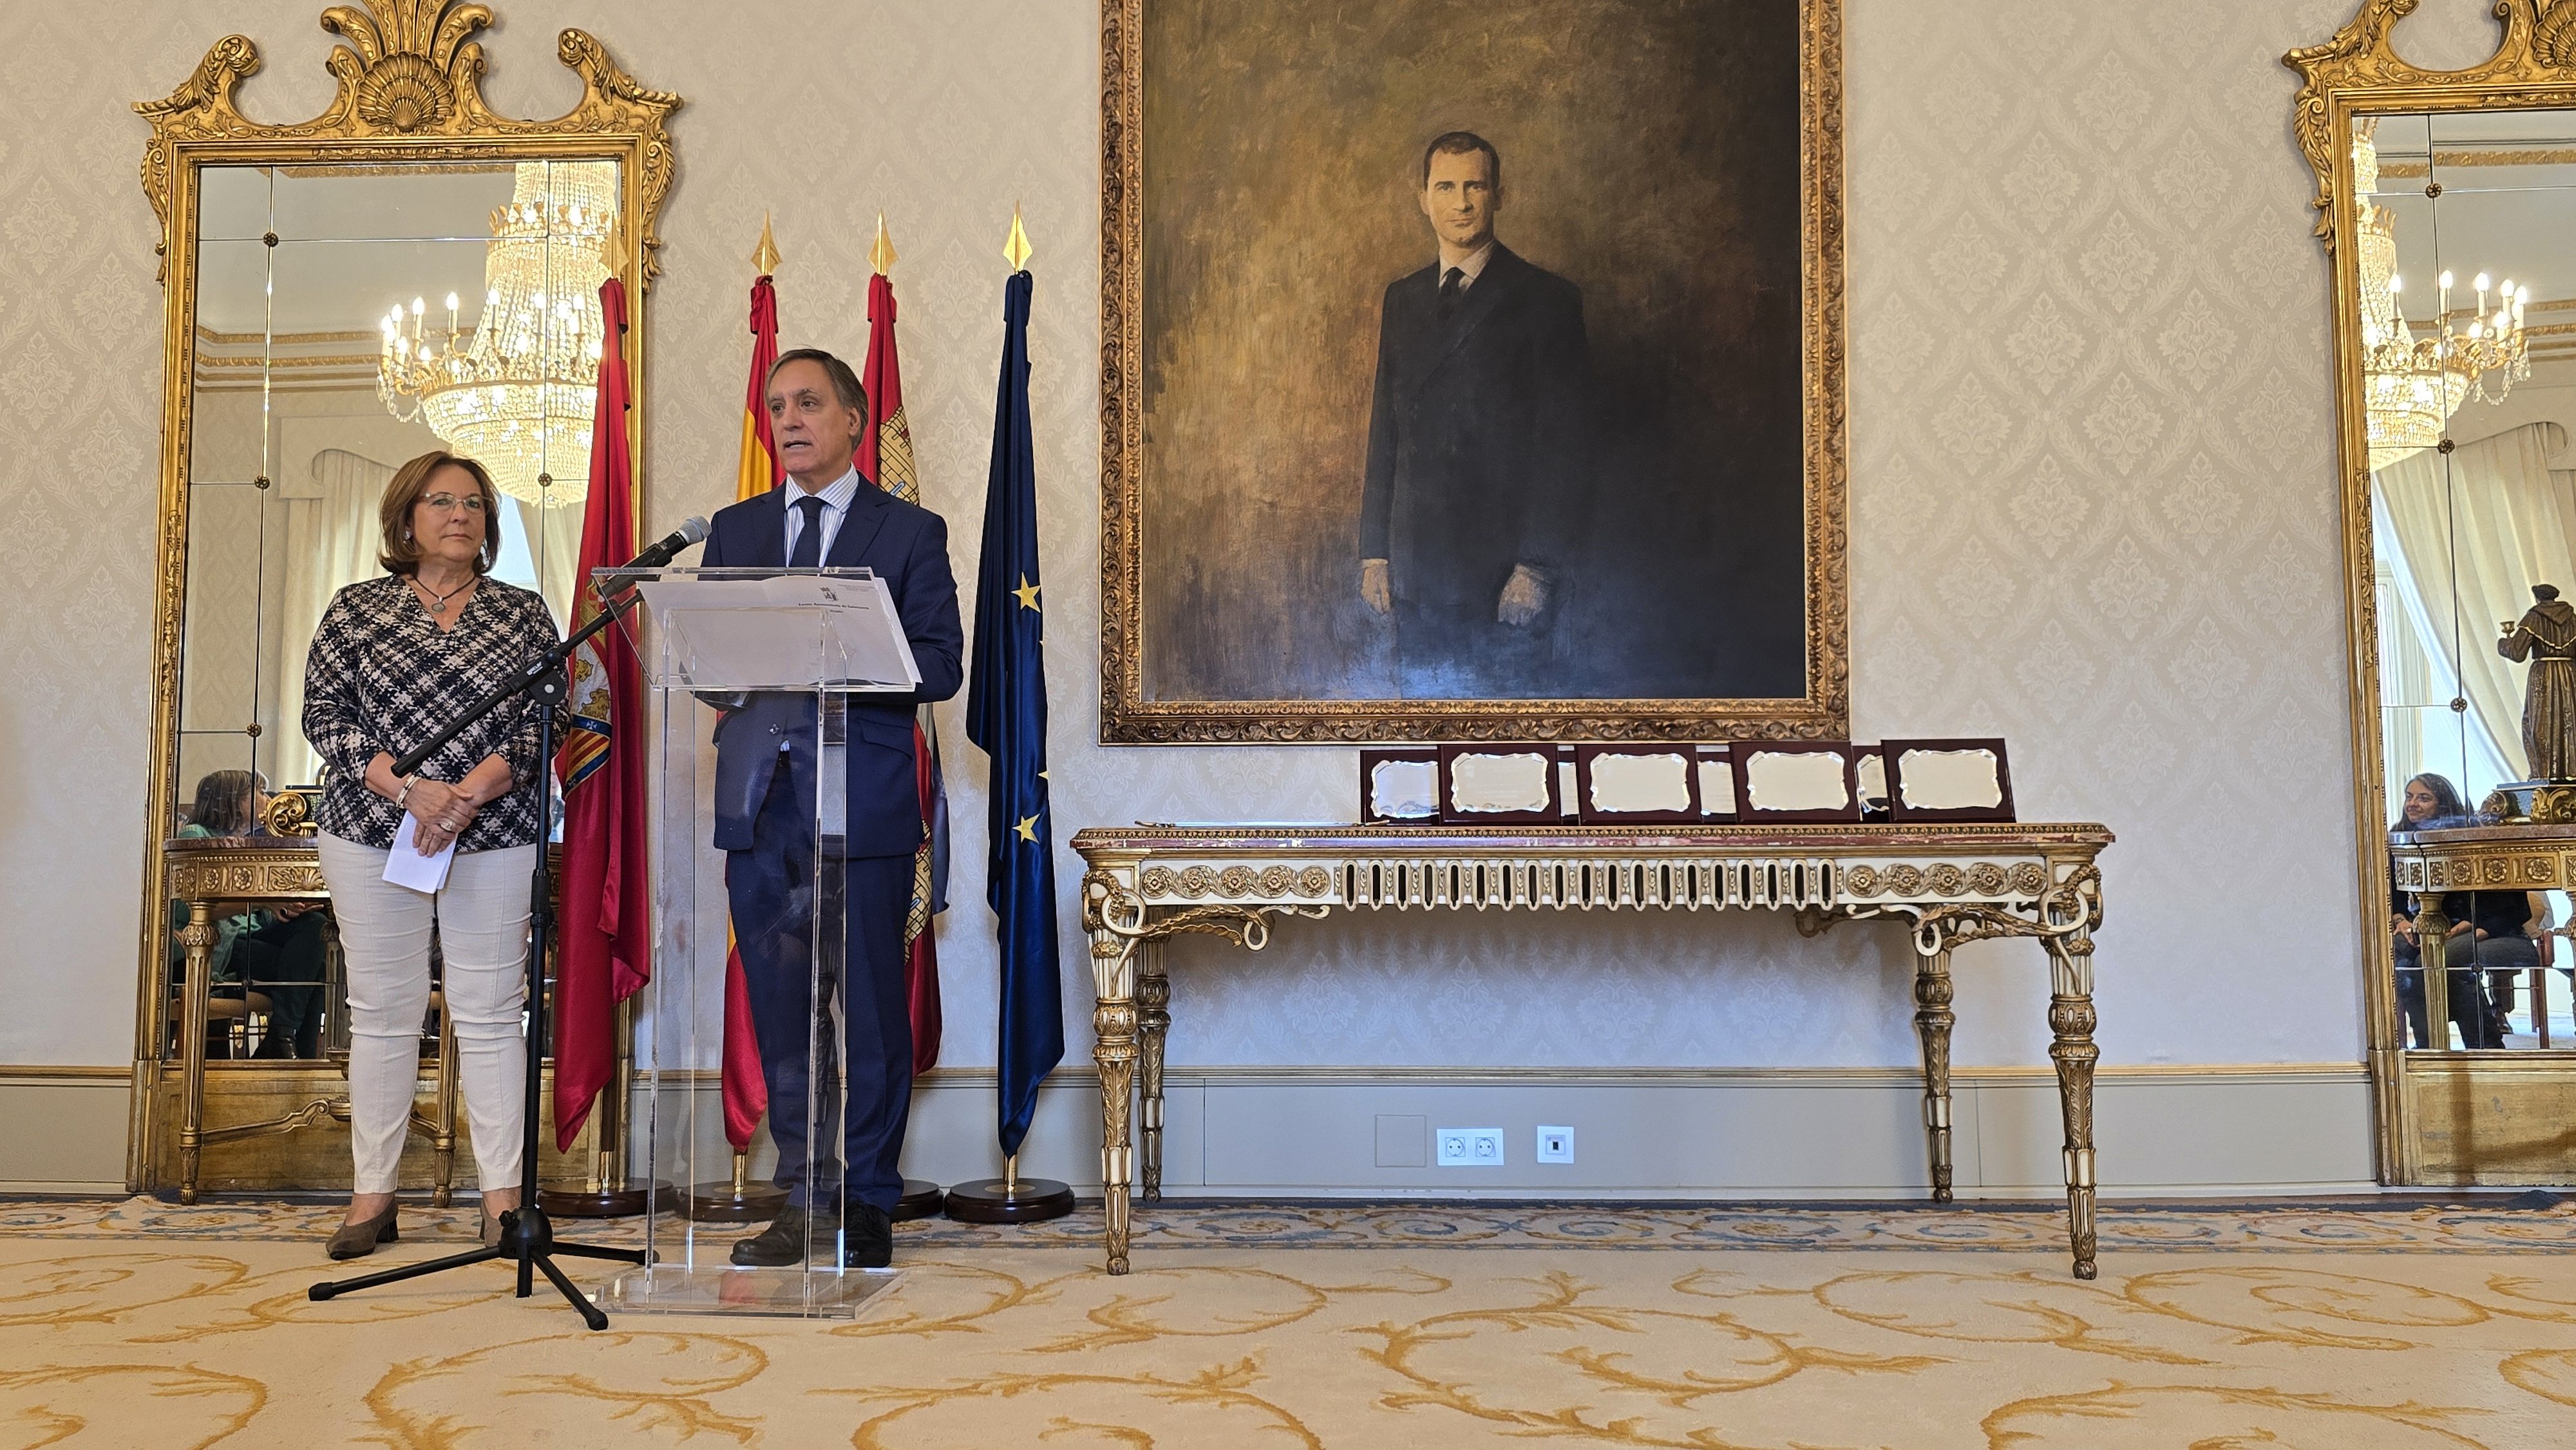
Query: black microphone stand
x,y
526,1235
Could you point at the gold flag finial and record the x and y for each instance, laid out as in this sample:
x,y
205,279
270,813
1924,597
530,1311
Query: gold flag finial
x,y
612,251
765,257
1016,250
881,256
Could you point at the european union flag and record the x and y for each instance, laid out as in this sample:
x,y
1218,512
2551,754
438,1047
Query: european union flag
x,y
1006,718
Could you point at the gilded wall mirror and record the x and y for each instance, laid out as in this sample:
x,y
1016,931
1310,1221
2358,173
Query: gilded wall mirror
x,y
2448,202
405,272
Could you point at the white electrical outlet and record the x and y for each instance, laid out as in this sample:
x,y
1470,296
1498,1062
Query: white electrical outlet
x,y
1469,1147
1555,1145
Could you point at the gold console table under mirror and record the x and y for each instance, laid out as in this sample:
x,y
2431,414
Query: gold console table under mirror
x,y
406,271
1945,884
211,877
2445,201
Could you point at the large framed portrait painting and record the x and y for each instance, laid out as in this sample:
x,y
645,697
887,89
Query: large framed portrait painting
x,y
1472,370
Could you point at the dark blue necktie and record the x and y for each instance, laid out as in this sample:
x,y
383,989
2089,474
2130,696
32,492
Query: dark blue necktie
x,y
809,539
1453,285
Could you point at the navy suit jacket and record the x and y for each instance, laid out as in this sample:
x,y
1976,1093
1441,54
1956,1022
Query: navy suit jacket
x,y
1476,455
907,546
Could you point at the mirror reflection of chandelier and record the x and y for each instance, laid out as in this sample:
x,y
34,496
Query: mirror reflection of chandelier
x,y
516,394
2412,385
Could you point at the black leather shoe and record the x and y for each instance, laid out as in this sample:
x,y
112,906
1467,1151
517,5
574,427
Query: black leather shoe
x,y
784,1242
867,1238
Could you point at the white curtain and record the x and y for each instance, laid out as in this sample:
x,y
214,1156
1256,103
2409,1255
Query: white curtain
x,y
2461,541
331,540
552,538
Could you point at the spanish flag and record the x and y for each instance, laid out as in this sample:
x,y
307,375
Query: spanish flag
x,y
746,1094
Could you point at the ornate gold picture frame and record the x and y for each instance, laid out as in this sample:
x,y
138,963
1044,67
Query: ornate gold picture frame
x,y
1245,448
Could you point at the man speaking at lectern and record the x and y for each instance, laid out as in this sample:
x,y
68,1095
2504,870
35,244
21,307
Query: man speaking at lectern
x,y
827,516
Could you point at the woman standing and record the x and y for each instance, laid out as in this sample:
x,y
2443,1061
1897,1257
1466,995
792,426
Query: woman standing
x,y
395,659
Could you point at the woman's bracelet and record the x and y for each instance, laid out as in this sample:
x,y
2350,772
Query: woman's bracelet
x,y
403,794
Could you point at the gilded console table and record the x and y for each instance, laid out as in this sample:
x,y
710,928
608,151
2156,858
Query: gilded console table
x,y
1946,883
2467,859
257,871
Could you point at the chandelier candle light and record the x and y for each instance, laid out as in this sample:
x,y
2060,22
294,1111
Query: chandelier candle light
x,y
517,393
2414,384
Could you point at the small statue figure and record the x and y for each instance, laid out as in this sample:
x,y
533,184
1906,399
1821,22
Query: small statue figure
x,y
2546,636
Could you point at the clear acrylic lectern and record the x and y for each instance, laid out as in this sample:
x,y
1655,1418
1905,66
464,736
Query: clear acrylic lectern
x,y
746,673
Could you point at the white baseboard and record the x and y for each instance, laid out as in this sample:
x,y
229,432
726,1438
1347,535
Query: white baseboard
x,y
2207,1130
1682,1133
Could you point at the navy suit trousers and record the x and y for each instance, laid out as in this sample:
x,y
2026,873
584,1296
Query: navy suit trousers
x,y
792,985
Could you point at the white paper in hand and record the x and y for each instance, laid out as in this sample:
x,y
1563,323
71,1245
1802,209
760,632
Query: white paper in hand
x,y
407,867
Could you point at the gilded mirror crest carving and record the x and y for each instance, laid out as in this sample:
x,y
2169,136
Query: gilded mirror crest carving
x,y
2446,201
412,70
303,363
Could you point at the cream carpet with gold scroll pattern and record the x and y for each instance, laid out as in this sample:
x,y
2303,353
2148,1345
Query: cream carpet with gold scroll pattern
x,y
2289,1328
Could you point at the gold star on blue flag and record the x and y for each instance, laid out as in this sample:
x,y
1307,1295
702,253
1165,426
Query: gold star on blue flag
x,y
1006,718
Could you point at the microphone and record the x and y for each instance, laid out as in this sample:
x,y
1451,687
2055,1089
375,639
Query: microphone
x,y
689,532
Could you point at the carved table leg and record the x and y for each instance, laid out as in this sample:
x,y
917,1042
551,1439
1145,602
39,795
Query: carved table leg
x,y
1153,1022
2432,937
198,936
2071,1019
442,1138
1932,1020
1113,1028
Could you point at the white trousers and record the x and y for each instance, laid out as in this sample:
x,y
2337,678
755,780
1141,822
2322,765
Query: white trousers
x,y
482,917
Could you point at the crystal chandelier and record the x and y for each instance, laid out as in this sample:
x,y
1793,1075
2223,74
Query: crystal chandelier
x,y
516,394
2412,385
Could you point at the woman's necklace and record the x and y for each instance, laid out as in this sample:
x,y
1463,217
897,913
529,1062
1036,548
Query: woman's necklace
x,y
437,602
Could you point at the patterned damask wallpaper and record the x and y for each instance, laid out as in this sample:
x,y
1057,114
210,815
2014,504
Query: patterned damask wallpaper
x,y
2092,504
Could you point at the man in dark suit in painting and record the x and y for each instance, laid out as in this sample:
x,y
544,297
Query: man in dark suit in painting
x,y
1476,457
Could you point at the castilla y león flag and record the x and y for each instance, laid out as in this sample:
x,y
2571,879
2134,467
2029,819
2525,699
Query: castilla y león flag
x,y
885,455
606,946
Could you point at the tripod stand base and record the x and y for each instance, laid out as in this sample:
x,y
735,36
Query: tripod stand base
x,y
998,1200
571,1198
527,1242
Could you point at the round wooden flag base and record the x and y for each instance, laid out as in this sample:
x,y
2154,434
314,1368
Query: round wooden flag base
x,y
1003,1200
724,1201
921,1199
572,1198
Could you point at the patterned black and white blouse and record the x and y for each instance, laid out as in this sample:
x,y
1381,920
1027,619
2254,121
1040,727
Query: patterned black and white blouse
x,y
382,677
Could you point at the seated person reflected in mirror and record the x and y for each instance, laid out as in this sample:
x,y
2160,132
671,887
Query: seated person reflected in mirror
x,y
2433,802
278,953
2503,923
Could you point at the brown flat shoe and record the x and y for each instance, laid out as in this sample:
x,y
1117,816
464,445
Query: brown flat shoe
x,y
357,1240
492,1229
